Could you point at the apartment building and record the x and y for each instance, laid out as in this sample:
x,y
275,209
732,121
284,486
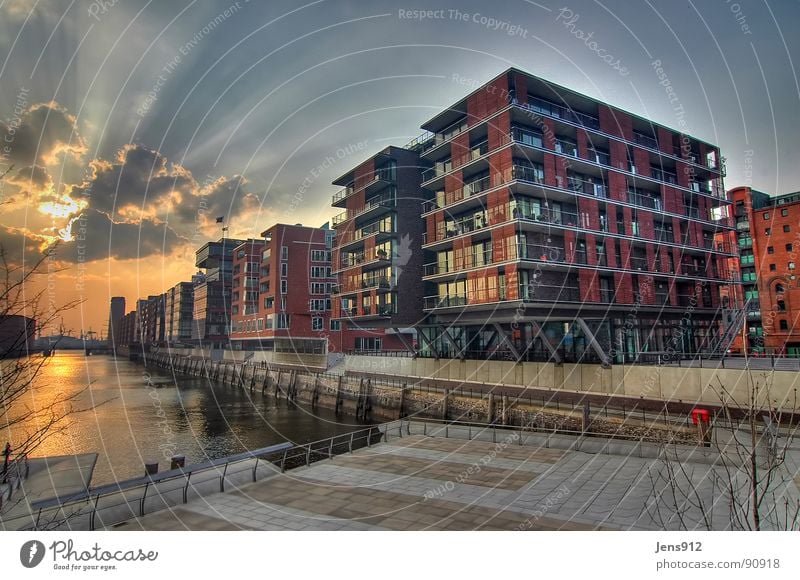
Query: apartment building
x,y
563,228
150,319
377,254
212,293
282,291
179,307
115,314
768,237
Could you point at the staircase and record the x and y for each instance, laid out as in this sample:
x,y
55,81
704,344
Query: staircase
x,y
733,323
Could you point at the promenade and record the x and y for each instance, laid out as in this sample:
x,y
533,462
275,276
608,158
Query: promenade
x,y
462,481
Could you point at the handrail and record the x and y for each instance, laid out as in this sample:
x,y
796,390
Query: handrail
x,y
284,456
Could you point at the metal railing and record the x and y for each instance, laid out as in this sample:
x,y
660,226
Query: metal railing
x,y
175,486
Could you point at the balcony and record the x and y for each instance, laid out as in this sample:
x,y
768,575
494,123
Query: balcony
x,y
381,201
342,194
541,106
644,200
445,301
664,235
580,185
645,140
475,187
527,173
665,176
477,260
607,295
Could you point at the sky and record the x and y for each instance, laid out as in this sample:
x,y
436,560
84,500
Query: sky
x,y
128,126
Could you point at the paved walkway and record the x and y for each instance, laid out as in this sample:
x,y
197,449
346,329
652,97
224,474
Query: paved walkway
x,y
418,482
428,483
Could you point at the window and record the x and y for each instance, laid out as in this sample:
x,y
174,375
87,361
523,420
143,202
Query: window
x,y
784,325
283,321
318,256
784,212
789,247
781,305
772,267
284,269
766,215
768,231
770,250
284,287
318,271
284,252
317,305
336,325
787,229
317,323
791,265
318,288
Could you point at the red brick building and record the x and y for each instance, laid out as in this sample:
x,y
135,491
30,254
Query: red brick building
x,y
377,254
768,236
564,228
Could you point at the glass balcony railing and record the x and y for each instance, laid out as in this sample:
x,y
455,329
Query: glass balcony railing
x,y
528,173
476,186
581,185
645,140
643,200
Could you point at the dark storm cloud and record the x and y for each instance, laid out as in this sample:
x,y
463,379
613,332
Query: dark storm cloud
x,y
143,182
94,236
38,134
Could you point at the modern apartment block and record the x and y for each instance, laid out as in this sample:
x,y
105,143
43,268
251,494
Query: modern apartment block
x,y
246,318
282,291
768,236
150,319
212,295
562,228
115,314
179,309
127,330
377,255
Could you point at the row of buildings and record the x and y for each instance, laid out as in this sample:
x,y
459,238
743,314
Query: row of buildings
x,y
528,222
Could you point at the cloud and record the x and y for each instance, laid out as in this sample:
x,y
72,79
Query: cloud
x,y
40,135
92,235
142,183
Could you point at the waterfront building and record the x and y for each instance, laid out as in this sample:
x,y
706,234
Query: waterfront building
x,y
768,237
116,312
281,291
212,294
377,254
179,308
563,228
150,319
127,333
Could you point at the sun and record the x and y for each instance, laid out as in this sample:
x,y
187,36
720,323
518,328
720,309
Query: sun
x,y
63,207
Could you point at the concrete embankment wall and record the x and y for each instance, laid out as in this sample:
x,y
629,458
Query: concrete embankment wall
x,y
362,397
666,383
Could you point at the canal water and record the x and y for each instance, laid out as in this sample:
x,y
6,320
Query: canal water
x,y
136,414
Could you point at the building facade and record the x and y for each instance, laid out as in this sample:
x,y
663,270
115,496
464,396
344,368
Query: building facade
x,y
283,292
150,319
212,294
768,236
115,314
563,228
377,254
179,307
127,330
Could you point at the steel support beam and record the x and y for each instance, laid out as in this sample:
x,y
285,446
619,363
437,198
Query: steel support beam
x,y
593,342
427,341
537,330
401,337
509,343
451,341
